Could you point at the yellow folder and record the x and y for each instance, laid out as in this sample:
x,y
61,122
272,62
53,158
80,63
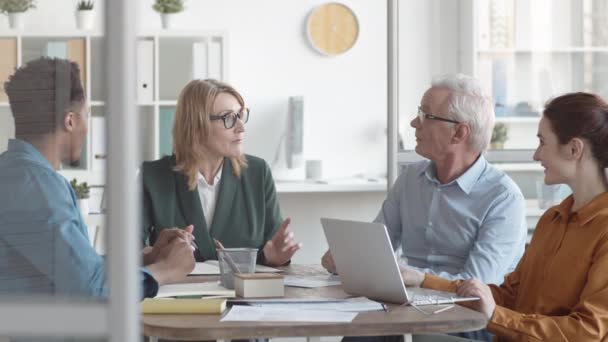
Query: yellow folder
x,y
183,306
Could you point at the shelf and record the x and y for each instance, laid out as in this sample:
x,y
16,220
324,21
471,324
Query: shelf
x,y
545,50
167,103
518,166
354,185
518,119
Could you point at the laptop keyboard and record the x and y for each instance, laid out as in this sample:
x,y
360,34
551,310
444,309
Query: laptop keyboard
x,y
420,299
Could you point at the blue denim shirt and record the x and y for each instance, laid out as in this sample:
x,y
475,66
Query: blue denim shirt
x,y
472,227
44,244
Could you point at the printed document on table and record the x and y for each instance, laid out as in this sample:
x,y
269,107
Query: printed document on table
x,y
240,313
358,304
312,281
205,268
211,288
211,267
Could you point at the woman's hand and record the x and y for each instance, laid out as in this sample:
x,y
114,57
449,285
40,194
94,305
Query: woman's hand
x,y
475,288
281,247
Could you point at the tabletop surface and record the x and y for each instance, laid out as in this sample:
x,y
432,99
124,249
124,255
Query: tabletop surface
x,y
396,321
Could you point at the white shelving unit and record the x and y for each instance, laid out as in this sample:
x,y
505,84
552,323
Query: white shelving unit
x,y
524,59
173,63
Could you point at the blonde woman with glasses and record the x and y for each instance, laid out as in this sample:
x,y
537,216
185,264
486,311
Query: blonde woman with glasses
x,y
211,184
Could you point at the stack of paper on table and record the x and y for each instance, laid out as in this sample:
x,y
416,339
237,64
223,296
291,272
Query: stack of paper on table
x,y
240,313
194,289
300,309
312,281
211,267
183,306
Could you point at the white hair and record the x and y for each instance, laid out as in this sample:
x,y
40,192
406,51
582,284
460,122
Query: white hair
x,y
467,103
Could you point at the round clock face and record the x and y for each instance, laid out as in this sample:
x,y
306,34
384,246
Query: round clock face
x,y
332,28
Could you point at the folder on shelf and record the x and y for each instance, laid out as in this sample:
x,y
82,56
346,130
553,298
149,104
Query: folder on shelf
x,y
8,63
145,71
98,143
76,52
183,306
199,60
214,58
165,134
56,50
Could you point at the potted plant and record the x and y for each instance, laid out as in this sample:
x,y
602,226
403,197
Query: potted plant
x,y
15,9
82,191
500,134
85,15
167,10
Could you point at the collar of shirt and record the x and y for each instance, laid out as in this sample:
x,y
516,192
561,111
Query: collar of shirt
x,y
216,180
22,146
598,205
466,181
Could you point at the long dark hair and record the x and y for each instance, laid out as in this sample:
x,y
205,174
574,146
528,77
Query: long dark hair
x,y
582,115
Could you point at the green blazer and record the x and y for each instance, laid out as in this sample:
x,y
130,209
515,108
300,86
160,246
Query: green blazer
x,y
246,213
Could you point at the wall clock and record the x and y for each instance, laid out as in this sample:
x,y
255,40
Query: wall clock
x,y
332,28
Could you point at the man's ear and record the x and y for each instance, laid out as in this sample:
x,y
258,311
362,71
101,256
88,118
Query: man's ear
x,y
68,121
462,133
576,147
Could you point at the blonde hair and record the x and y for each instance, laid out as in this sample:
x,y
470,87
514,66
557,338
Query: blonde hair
x,y
191,127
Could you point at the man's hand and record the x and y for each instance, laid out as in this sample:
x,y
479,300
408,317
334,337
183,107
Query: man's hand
x,y
150,254
475,288
174,262
411,276
281,247
327,261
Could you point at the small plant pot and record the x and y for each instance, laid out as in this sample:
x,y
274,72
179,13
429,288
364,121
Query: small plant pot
x,y
85,19
15,20
167,20
497,146
83,207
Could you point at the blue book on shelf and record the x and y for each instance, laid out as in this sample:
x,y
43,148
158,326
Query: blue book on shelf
x,y
56,49
165,126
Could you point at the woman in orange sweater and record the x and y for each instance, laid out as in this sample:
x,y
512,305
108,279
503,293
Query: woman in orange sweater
x,y
559,290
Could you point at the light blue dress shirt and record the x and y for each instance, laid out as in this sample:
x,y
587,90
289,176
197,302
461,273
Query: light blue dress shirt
x,y
472,227
44,244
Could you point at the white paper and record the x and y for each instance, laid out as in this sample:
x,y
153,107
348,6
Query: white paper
x,y
205,268
211,267
240,313
204,289
312,281
359,304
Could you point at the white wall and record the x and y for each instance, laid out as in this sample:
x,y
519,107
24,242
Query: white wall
x,y
270,60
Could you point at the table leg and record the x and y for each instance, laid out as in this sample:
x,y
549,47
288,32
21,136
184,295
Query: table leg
x,y
407,338
152,339
313,339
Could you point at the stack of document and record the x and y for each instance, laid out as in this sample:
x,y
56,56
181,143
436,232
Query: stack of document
x,y
300,310
183,306
211,267
312,281
195,289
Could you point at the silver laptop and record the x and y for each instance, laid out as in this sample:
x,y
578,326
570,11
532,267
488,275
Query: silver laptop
x,y
365,260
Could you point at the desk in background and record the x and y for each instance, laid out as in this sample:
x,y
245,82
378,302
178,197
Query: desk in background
x,y
398,320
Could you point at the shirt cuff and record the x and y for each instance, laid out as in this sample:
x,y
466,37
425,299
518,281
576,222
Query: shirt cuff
x,y
503,322
437,283
150,285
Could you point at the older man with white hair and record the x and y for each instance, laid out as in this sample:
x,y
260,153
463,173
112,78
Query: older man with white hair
x,y
454,215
